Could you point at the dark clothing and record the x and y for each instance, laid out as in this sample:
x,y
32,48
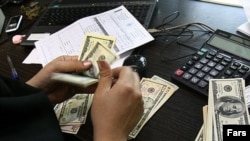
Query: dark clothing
x,y
26,113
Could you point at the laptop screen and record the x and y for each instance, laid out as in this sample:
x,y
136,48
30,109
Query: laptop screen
x,y
2,17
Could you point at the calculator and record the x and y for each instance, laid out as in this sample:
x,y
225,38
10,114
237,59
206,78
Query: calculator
x,y
223,56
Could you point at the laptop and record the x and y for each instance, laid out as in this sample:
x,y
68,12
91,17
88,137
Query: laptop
x,y
61,13
2,17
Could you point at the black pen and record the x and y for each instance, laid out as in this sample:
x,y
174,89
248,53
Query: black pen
x,y
13,69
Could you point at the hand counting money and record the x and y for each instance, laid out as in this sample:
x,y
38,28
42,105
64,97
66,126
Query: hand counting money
x,y
95,47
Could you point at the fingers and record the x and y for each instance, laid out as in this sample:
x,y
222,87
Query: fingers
x,y
105,80
69,64
126,75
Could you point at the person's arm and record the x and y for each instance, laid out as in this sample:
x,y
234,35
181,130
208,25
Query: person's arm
x,y
26,113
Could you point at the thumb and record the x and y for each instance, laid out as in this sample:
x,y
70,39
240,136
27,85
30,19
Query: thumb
x,y
105,79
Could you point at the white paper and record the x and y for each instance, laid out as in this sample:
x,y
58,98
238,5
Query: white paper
x,y
37,36
245,27
118,22
33,58
246,7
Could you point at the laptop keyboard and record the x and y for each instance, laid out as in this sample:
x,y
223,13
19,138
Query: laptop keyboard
x,y
66,16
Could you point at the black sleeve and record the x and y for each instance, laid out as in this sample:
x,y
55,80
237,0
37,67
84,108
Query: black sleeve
x,y
26,113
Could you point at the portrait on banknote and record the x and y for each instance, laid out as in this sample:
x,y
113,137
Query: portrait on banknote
x,y
148,102
229,106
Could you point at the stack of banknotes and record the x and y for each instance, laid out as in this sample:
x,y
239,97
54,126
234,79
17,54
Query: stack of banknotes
x,y
156,91
227,104
72,113
94,47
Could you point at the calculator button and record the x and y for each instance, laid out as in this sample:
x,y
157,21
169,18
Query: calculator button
x,y
202,84
204,60
212,53
186,76
211,64
236,64
200,53
216,60
214,73
192,70
195,57
219,56
184,68
224,63
219,67
194,80
200,74
227,59
241,71
245,68
228,72
206,69
203,50
207,77
198,66
209,56
178,72
190,62
233,67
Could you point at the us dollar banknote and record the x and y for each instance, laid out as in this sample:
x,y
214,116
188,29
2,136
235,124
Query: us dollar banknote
x,y
90,40
152,92
72,113
227,105
99,52
74,79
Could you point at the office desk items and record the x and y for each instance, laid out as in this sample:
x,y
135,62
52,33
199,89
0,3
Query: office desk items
x,y
224,55
13,69
155,92
245,27
62,13
180,118
137,62
225,2
224,95
118,22
2,17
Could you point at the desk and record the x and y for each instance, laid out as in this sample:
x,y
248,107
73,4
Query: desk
x,y
181,117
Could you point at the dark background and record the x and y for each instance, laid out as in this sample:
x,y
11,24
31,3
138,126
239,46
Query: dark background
x,y
180,118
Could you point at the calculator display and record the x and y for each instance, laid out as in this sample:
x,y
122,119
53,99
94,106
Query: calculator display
x,y
230,46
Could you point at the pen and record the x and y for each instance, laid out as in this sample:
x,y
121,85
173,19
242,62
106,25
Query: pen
x,y
13,69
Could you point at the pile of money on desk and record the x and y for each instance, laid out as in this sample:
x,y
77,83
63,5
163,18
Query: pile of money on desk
x,y
227,105
72,113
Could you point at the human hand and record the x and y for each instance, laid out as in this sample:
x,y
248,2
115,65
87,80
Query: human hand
x,y
56,91
117,104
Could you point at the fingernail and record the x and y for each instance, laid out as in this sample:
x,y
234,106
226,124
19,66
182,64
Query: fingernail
x,y
86,63
100,64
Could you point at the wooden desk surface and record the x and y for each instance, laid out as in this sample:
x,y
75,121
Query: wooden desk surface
x,y
181,117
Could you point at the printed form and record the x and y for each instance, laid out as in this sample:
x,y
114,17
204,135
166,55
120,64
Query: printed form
x,y
118,22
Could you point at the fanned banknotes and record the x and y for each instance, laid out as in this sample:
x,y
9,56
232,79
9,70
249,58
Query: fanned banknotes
x,y
95,47
72,113
155,92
